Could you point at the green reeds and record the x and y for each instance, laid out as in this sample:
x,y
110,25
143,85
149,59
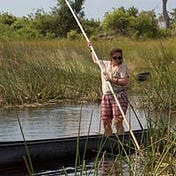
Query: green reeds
x,y
41,72
27,158
161,150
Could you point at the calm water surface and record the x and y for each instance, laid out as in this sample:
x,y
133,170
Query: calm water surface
x,y
56,121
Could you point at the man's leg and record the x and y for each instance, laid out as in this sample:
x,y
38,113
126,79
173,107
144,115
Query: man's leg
x,y
118,123
117,116
107,127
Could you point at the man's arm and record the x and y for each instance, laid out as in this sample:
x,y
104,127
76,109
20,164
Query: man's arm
x,y
118,81
93,57
92,54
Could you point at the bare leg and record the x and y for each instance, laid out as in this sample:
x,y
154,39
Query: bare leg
x,y
118,123
107,127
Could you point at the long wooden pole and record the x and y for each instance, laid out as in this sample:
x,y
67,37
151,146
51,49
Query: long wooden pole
x,y
109,84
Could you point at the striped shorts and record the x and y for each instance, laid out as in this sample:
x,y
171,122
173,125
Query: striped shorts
x,y
109,107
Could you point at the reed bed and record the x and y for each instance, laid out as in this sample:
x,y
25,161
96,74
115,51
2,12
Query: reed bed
x,y
37,72
40,72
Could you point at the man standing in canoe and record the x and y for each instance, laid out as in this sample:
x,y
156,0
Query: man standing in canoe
x,y
116,72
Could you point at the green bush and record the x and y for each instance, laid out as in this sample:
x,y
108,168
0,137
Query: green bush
x,y
73,35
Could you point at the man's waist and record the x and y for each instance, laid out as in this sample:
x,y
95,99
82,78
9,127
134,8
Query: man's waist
x,y
116,91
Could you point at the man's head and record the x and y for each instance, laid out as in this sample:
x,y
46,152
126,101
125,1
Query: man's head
x,y
116,55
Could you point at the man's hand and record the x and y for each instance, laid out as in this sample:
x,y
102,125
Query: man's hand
x,y
89,44
106,77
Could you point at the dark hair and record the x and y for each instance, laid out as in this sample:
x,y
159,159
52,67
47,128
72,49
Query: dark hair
x,y
116,50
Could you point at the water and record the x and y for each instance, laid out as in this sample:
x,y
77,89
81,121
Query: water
x,y
56,121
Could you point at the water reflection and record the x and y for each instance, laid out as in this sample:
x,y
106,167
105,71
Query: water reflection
x,y
56,121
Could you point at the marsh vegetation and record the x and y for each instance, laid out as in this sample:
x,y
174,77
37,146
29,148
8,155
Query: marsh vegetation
x,y
40,72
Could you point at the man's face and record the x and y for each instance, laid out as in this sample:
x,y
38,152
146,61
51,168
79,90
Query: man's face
x,y
117,55
117,58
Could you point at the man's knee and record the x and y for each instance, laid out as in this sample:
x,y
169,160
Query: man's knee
x,y
107,121
118,121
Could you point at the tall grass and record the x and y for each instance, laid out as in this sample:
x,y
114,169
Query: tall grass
x,y
162,91
160,151
39,72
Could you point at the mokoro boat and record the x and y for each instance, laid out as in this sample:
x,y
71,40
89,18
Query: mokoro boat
x,y
13,153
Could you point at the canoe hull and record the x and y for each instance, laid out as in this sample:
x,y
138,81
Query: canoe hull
x,y
13,153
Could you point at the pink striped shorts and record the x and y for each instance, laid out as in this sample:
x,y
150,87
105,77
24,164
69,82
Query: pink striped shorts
x,y
109,108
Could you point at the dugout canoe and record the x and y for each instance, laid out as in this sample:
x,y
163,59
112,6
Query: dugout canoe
x,y
59,149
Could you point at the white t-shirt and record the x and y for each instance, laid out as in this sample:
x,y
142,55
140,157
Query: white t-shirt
x,y
120,71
